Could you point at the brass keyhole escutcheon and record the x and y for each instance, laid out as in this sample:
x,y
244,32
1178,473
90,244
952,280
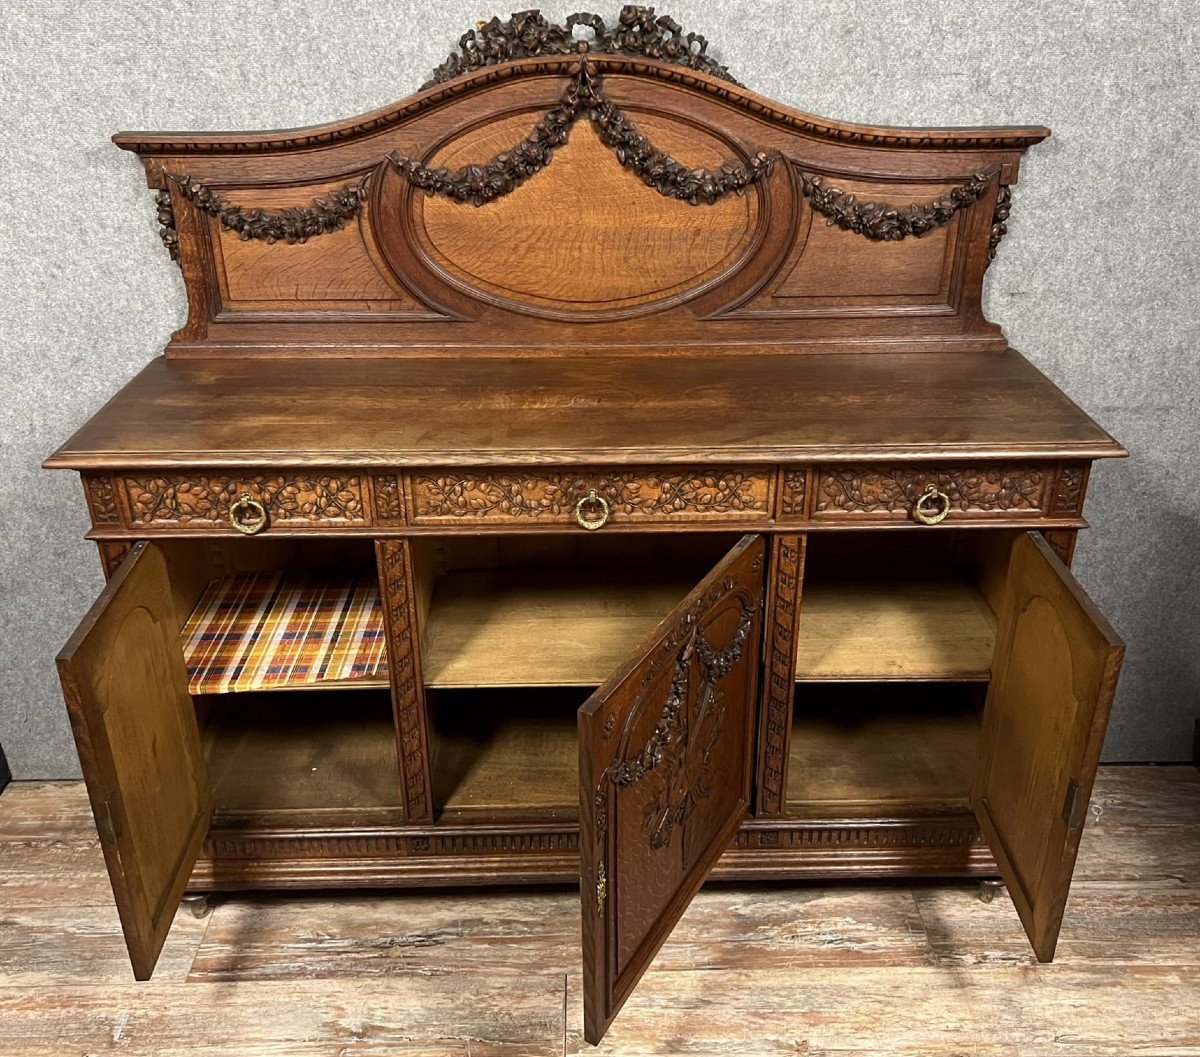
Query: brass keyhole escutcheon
x,y
931,495
247,504
592,499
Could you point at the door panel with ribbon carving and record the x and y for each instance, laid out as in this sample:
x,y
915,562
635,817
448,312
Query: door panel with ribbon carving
x,y
666,750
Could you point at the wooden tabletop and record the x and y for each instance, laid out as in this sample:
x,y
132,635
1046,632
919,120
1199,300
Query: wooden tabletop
x,y
580,409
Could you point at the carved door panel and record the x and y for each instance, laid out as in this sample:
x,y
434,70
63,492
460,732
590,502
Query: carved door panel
x,y
124,682
665,757
1054,671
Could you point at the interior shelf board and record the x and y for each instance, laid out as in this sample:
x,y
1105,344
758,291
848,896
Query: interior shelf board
x,y
561,628
937,629
855,747
508,761
310,754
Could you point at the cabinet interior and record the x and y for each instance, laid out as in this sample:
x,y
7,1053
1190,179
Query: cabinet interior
x,y
894,646
516,633
894,653
302,746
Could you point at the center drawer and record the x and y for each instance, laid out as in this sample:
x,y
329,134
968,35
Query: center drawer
x,y
591,498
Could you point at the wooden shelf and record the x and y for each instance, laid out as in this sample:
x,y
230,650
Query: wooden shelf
x,y
572,627
286,631
870,745
887,629
310,753
506,751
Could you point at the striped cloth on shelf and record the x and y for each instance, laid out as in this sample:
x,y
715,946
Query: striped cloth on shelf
x,y
260,631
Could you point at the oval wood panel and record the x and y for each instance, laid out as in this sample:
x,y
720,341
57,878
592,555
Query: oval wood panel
x,y
585,235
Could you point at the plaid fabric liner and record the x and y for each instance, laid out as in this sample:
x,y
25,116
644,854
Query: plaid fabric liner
x,y
259,631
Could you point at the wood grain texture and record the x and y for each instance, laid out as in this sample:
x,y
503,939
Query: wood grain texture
x,y
858,749
135,727
665,774
572,627
602,409
994,1011
935,627
57,946
507,753
612,248
468,1014
1055,672
753,970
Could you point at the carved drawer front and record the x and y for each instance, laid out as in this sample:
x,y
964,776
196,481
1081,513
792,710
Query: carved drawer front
x,y
920,494
207,502
591,498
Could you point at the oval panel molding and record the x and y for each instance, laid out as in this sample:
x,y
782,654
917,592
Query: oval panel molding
x,y
585,237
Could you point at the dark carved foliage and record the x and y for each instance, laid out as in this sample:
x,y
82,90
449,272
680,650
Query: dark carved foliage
x,y
525,34
884,223
166,220
680,745
327,214
999,220
478,184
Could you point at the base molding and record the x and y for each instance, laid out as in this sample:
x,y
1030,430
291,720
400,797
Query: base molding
x,y
531,853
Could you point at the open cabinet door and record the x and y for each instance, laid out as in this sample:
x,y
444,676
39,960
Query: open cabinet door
x,y
665,750
1053,675
126,691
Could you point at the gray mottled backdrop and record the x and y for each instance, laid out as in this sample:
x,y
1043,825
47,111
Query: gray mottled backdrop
x,y
1097,282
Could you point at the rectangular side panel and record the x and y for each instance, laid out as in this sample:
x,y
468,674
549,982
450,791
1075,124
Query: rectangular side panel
x,y
1053,677
666,760
126,692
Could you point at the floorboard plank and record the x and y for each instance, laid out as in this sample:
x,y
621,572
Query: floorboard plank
x,y
1107,923
61,810
381,934
51,872
982,1011
48,946
459,1015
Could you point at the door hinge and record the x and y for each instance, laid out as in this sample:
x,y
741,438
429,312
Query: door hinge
x,y
1074,806
601,889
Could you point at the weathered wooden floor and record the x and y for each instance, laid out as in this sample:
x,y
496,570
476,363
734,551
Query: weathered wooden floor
x,y
842,970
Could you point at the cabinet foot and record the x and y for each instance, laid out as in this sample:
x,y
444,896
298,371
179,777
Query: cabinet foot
x,y
202,905
989,888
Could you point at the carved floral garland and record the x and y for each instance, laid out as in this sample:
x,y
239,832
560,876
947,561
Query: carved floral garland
x,y
479,184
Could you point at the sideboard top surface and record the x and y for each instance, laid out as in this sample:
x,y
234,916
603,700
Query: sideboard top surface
x,y
584,409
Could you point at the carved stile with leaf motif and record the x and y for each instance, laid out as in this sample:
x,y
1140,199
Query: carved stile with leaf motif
x,y
717,532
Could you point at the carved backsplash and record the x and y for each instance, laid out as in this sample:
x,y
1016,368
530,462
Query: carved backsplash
x,y
556,176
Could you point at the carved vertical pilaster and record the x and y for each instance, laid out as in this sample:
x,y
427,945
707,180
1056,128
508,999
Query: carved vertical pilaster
x,y
1069,489
1062,541
112,553
387,490
775,725
101,498
408,697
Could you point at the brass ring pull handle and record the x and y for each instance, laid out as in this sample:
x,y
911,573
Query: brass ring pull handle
x,y
248,504
593,498
931,495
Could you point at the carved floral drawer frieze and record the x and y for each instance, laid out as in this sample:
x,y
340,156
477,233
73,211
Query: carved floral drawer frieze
x,y
517,497
883,493
204,501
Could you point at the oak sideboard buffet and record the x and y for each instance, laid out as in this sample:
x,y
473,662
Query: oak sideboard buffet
x,y
586,469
